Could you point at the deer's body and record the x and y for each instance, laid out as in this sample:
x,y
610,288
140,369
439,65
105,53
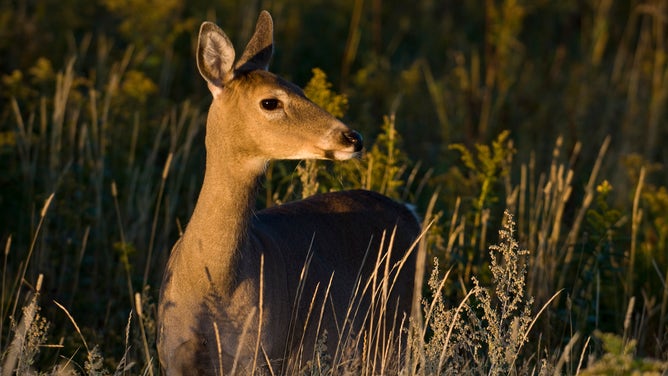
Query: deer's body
x,y
209,310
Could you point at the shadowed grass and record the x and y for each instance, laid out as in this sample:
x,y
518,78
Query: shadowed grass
x,y
120,166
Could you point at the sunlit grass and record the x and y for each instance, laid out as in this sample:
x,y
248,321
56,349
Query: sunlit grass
x,y
101,173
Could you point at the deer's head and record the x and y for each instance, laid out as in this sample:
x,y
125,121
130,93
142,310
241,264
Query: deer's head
x,y
259,115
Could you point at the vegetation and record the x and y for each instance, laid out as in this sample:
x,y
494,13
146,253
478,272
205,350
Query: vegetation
x,y
541,119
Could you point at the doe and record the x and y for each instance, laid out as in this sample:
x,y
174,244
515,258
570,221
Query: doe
x,y
243,288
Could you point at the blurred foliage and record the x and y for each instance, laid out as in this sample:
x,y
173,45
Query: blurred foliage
x,y
450,71
462,98
386,161
483,168
619,358
319,90
150,23
137,87
487,167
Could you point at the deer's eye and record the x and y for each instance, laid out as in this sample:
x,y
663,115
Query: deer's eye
x,y
271,104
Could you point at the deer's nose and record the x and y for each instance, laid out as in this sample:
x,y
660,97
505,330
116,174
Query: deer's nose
x,y
354,139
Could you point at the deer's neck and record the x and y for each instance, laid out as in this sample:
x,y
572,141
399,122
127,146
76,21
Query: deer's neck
x,y
215,236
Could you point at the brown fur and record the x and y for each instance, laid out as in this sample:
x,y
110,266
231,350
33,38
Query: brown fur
x,y
213,274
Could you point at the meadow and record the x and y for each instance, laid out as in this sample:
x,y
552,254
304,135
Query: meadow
x,y
526,133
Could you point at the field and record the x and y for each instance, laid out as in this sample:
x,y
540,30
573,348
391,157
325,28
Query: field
x,y
526,133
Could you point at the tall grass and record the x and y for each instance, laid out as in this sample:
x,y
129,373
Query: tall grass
x,y
493,324
101,168
113,213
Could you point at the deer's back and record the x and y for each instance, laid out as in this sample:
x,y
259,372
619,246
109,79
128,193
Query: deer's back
x,y
338,227
345,232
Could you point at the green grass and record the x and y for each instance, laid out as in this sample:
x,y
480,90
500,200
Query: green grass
x,y
541,120
497,316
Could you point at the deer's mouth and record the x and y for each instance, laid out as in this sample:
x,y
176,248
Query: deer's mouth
x,y
342,144
342,155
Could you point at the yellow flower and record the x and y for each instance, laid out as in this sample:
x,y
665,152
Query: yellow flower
x,y
604,188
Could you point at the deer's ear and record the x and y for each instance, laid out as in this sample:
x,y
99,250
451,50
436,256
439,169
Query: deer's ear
x,y
215,56
261,46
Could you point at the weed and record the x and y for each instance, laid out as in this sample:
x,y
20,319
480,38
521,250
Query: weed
x,y
93,122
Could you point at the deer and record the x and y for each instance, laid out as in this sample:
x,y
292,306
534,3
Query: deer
x,y
240,285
